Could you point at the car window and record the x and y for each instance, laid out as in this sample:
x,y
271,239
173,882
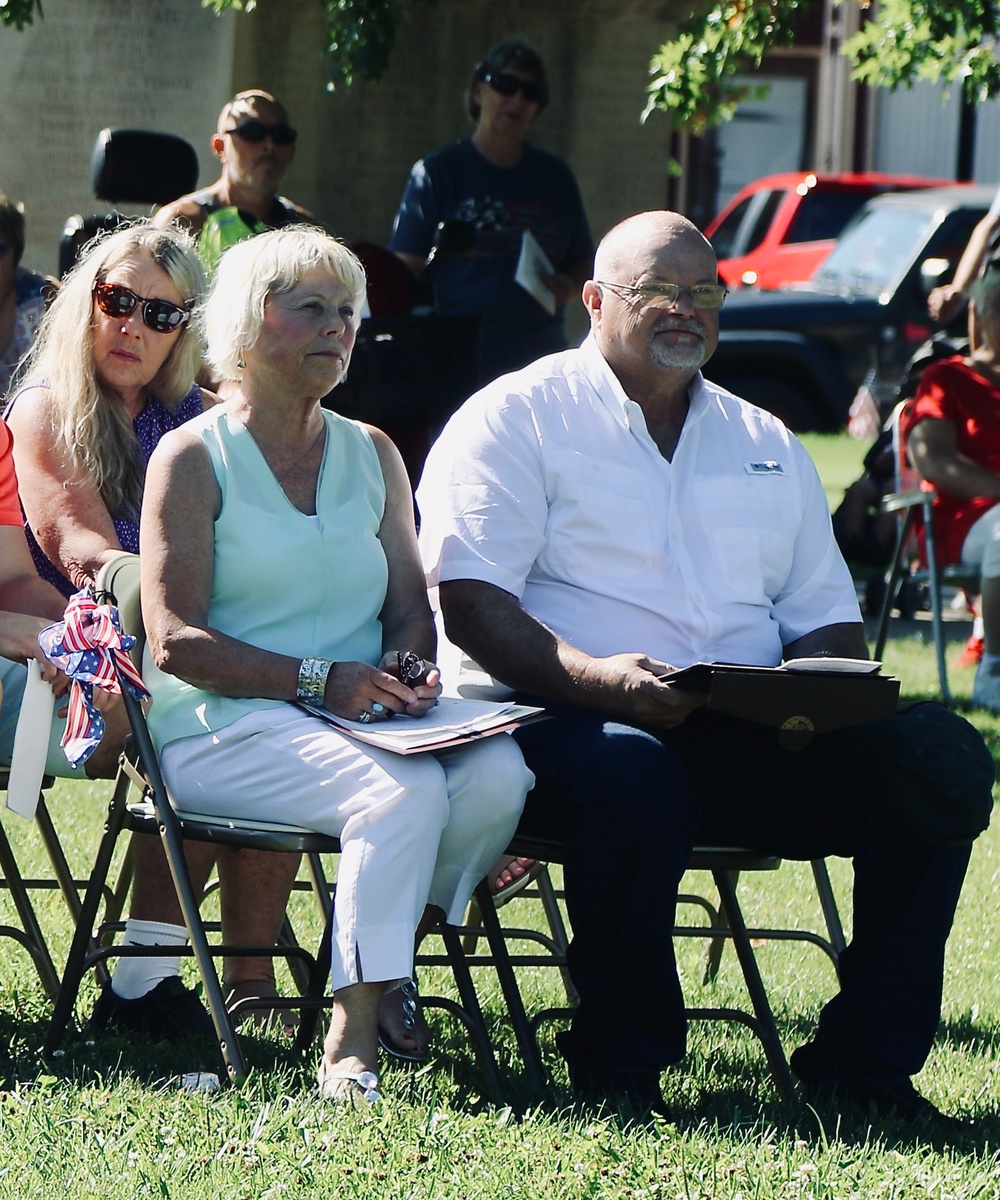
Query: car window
x,y
951,238
822,215
725,236
875,249
763,221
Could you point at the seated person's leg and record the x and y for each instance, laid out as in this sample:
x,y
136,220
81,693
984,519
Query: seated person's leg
x,y
254,886
389,812
849,793
486,784
619,801
982,549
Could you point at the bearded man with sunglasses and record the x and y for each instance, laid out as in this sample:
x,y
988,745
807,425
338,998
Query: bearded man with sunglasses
x,y
499,186
608,514
256,145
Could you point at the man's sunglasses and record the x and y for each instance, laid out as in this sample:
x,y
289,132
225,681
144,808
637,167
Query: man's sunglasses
x,y
159,315
509,85
256,131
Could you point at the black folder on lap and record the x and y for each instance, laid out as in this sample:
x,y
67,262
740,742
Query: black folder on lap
x,y
799,699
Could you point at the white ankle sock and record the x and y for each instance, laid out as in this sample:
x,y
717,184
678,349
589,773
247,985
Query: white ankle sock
x,y
134,977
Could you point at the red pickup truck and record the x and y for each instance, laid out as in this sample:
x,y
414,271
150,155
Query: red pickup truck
x,y
780,228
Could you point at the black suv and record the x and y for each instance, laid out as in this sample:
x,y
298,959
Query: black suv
x,y
803,351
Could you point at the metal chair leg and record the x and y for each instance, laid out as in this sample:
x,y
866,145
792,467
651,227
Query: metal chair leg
x,y
229,1044
892,583
83,934
937,610
472,1017
713,954
523,1033
32,938
828,903
765,1028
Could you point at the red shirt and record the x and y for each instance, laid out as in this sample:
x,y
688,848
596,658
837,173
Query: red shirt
x,y
10,506
950,390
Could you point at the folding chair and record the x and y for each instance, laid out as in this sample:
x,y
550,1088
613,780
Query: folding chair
x,y
725,923
913,503
139,771
30,935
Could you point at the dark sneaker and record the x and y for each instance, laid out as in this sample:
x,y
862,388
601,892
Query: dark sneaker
x,y
170,1012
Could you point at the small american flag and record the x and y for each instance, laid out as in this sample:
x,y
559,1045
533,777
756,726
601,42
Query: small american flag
x,y
89,646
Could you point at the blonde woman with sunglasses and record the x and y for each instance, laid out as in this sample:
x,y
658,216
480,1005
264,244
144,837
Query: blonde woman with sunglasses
x,y
112,371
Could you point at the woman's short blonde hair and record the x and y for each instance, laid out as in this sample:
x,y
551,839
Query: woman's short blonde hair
x,y
95,430
263,266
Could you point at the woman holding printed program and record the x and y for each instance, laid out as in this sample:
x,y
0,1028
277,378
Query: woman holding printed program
x,y
279,562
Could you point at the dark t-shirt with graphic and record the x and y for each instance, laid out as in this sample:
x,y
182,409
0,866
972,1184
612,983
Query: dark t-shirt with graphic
x,y
458,184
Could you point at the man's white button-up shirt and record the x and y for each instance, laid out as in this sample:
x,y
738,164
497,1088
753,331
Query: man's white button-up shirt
x,y
547,484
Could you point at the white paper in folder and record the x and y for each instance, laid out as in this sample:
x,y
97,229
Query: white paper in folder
x,y
31,744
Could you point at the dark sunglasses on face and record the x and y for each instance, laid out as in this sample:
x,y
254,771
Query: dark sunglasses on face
x,y
256,131
159,315
509,85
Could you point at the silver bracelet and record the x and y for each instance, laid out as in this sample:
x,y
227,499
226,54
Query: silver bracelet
x,y
311,686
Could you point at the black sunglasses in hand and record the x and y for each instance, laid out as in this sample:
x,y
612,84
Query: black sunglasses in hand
x,y
411,667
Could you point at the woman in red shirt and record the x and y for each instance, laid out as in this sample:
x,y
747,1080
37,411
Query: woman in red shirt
x,y
954,442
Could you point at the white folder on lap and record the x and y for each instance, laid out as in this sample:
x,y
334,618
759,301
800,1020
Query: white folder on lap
x,y
31,744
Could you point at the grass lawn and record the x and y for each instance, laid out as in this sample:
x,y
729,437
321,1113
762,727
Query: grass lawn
x,y
103,1119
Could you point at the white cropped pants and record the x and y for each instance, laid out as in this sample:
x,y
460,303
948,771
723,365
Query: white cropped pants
x,y
414,829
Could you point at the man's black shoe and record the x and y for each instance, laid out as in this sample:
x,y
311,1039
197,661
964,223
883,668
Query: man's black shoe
x,y
902,1101
633,1094
169,1012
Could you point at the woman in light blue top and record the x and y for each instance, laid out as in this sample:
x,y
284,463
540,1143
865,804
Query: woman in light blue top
x,y
279,562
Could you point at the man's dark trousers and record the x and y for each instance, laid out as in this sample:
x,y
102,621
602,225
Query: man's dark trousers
x,y
629,802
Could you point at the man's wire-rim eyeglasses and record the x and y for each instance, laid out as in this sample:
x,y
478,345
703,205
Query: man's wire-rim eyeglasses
x,y
666,295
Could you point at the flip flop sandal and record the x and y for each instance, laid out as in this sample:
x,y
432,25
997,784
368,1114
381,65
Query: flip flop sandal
x,y
410,999
508,891
359,1088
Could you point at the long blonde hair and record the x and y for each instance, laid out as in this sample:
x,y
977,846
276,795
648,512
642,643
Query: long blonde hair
x,y
92,428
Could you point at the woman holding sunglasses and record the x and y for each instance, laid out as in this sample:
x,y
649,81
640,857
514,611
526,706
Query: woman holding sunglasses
x,y
279,563
113,371
499,186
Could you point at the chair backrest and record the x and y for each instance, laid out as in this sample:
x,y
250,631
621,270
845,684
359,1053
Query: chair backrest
x,y
390,280
907,479
142,165
119,579
138,165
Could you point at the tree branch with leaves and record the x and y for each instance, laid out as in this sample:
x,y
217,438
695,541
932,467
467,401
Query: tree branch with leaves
x,y
694,75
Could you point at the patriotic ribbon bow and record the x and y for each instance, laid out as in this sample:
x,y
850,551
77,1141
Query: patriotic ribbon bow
x,y
89,646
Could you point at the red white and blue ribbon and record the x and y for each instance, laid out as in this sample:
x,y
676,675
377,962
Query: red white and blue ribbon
x,y
89,646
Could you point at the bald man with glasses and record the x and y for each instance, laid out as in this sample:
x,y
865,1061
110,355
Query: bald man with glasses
x,y
607,514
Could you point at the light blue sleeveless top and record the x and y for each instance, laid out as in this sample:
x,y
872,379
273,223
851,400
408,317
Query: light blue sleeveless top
x,y
283,581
